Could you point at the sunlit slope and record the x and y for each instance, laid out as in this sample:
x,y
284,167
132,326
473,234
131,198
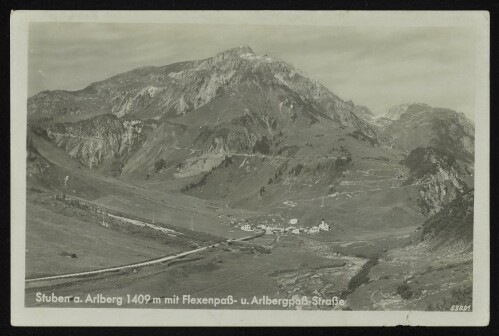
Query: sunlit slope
x,y
61,175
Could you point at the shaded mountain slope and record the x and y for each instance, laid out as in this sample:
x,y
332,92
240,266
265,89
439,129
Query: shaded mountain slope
x,y
453,225
420,125
439,176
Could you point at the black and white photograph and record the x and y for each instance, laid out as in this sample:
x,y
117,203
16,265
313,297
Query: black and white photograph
x,y
211,165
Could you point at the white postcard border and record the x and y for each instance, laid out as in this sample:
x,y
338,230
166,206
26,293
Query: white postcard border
x,y
22,316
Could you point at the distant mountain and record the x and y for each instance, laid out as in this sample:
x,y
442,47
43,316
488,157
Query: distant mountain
x,y
253,96
178,89
418,125
395,112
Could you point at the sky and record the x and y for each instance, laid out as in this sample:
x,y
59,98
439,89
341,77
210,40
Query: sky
x,y
377,67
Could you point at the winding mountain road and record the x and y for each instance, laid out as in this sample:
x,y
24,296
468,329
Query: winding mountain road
x,y
140,264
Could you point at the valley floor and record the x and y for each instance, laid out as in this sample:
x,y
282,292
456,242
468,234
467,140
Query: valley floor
x,y
367,265
349,265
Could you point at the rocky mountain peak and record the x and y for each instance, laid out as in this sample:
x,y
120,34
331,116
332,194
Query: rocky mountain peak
x,y
230,56
237,51
395,112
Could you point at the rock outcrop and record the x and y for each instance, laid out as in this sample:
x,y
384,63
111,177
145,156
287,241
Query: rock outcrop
x,y
439,177
95,140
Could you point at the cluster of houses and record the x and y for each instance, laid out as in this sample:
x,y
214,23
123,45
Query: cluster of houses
x,y
291,229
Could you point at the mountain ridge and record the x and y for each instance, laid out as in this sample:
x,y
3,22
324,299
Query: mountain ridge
x,y
141,92
237,126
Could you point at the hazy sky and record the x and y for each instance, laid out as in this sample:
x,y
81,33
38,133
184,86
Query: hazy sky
x,y
374,66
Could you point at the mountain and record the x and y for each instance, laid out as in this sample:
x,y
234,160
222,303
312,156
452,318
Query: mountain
x,y
236,102
245,129
178,89
409,126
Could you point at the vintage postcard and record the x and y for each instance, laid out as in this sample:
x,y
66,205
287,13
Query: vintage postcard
x,y
250,168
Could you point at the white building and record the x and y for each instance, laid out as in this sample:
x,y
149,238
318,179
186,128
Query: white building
x,y
324,226
295,231
246,227
314,229
293,221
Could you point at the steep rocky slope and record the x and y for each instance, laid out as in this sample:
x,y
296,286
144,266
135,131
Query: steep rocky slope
x,y
452,226
95,140
439,176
